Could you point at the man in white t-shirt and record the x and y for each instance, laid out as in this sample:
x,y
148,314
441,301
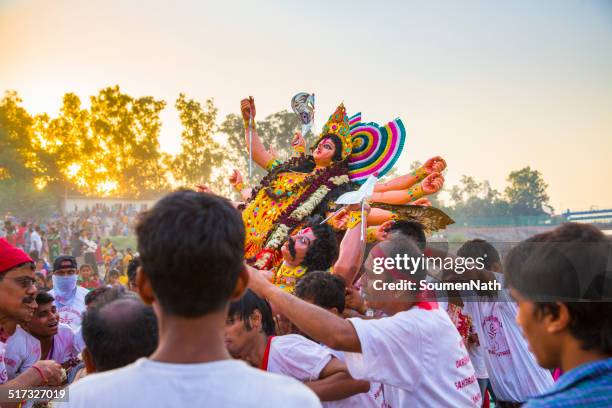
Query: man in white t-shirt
x,y
191,248
416,352
56,339
513,370
17,293
69,297
22,352
249,336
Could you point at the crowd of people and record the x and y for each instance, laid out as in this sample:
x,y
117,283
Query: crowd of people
x,y
85,235
194,325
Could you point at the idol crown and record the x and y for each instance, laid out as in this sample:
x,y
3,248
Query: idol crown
x,y
338,124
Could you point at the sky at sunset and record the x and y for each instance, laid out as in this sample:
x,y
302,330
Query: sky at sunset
x,y
492,86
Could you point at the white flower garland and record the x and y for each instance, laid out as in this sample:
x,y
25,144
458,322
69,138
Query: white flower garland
x,y
309,205
278,236
280,233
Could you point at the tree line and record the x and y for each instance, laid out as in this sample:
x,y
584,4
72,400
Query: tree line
x,y
112,148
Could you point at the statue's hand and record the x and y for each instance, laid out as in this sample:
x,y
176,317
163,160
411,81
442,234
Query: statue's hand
x,y
298,142
247,108
235,178
382,232
424,201
432,183
435,165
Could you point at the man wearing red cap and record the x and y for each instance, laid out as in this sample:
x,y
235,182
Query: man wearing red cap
x,y
17,294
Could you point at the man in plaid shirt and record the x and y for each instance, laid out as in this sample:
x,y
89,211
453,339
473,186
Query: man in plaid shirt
x,y
563,286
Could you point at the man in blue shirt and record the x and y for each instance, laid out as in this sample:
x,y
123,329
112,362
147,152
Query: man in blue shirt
x,y
562,284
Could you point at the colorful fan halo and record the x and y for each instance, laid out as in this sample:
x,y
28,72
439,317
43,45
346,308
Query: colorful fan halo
x,y
376,148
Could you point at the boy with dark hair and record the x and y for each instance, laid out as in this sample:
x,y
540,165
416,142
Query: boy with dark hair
x,y
323,289
56,339
69,295
561,281
191,248
328,291
249,336
513,372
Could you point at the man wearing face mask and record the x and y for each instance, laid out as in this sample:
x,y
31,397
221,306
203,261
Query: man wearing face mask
x,y
69,297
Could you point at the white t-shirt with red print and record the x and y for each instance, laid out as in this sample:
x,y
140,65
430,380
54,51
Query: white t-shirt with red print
x,y
3,373
71,313
513,370
419,357
22,351
298,357
63,348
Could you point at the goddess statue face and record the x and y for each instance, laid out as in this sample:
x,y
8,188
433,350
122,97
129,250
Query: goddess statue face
x,y
324,152
296,247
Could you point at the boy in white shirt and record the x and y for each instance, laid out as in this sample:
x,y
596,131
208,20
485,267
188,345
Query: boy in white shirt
x,y
191,249
328,291
513,370
69,296
416,352
22,352
249,336
56,339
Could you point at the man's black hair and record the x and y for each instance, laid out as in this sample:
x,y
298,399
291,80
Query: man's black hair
x,y
325,289
44,298
568,265
132,268
244,307
411,229
479,248
119,332
323,252
191,248
94,294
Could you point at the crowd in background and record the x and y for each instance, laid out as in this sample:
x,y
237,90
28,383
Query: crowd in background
x,y
87,235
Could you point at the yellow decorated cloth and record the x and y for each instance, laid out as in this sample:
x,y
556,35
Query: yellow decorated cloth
x,y
262,213
286,276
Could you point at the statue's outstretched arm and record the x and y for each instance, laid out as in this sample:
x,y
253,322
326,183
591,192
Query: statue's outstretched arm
x,y
261,155
430,185
434,165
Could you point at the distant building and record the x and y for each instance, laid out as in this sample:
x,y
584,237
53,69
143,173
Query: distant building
x,y
72,204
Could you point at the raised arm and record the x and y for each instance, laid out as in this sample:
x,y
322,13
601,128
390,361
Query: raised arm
x,y
319,324
352,247
261,156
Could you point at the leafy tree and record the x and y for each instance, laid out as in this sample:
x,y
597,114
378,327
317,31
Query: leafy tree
x,y
18,162
526,193
16,152
127,131
200,154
